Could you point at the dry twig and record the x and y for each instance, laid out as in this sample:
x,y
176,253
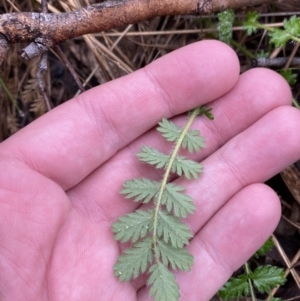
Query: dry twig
x,y
43,30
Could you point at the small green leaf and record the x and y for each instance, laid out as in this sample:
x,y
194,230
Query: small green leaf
x,y
169,130
207,112
140,189
279,37
188,168
163,284
181,165
192,140
235,288
267,246
289,76
133,226
175,200
251,22
276,299
262,54
292,25
171,229
134,261
177,258
153,156
226,19
209,115
267,277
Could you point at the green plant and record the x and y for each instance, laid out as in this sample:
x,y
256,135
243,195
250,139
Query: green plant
x,y
262,279
279,37
226,19
158,237
289,76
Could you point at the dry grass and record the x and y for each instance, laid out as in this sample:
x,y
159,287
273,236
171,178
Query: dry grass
x,y
108,55
102,57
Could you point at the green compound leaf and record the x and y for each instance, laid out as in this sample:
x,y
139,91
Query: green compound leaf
x,y
267,277
192,140
176,258
235,288
140,189
158,236
279,37
267,246
181,165
171,229
133,226
153,156
188,168
134,261
292,26
163,284
176,201
251,23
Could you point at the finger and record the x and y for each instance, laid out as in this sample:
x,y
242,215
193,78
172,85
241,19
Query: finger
x,y
228,240
76,137
234,113
253,156
33,210
234,234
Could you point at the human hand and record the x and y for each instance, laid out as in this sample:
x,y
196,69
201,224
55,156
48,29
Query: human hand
x,y
60,176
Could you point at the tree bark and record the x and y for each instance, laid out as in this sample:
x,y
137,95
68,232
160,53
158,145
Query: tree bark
x,y
45,29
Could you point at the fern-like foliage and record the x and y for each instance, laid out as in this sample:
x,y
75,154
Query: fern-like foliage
x,y
140,189
181,165
279,37
266,247
226,19
262,279
192,141
157,236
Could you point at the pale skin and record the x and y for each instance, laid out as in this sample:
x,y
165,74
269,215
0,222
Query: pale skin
x,y
60,176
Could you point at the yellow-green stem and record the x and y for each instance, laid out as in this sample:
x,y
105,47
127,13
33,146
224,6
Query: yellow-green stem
x,y
253,298
295,103
243,49
261,26
14,102
164,182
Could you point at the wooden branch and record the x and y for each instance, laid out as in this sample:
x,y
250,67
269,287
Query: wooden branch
x,y
45,30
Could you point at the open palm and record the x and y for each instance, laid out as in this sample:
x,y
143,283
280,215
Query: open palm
x,y
60,176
